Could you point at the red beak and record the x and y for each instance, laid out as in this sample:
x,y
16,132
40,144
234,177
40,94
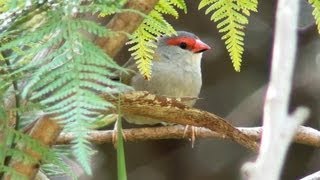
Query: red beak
x,y
200,47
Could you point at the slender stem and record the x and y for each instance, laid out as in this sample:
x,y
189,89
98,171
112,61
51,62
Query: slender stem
x,y
16,95
121,162
17,116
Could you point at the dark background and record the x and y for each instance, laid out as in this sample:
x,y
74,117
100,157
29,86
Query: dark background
x,y
236,96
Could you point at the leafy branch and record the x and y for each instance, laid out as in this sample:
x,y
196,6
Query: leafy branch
x,y
152,27
63,71
231,16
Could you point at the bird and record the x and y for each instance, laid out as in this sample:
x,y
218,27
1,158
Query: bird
x,y
176,71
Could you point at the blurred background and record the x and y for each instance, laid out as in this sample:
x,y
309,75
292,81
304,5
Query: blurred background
x,y
235,96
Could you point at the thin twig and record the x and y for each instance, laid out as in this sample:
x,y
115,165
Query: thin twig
x,y
15,121
304,135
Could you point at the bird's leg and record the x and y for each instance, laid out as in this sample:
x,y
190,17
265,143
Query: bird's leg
x,y
194,130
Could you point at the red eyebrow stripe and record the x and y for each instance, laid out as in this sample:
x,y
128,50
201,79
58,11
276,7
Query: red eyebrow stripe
x,y
175,41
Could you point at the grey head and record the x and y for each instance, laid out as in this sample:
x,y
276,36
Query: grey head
x,y
183,48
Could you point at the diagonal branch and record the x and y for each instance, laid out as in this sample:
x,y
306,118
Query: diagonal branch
x,y
173,111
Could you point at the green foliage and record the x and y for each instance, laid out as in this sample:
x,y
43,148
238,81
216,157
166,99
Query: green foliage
x,y
316,11
53,169
46,47
13,137
231,16
121,163
153,26
66,80
6,5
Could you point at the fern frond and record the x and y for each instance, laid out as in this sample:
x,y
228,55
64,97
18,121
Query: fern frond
x,y
153,26
231,16
68,80
82,150
13,4
103,7
13,173
25,141
164,7
59,167
181,4
75,86
316,12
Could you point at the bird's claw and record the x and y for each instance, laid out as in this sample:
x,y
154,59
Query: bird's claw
x,y
193,133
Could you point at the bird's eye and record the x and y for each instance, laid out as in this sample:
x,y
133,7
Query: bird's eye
x,y
183,45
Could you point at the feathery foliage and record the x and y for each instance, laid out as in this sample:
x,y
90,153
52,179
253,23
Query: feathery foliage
x,y
153,26
63,153
316,12
60,68
59,65
46,49
11,137
231,16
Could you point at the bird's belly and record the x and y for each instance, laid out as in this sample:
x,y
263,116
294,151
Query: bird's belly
x,y
167,83
172,84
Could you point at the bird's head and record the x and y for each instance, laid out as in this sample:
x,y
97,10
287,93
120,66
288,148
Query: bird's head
x,y
181,47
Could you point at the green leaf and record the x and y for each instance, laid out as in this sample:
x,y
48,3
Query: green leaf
x,y
66,80
121,163
231,16
153,26
316,12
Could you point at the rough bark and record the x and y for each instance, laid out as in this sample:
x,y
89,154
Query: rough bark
x,y
173,111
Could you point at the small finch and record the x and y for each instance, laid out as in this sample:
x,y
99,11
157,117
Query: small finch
x,y
176,71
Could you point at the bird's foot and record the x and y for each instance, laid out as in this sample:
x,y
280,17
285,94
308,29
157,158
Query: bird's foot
x,y
193,133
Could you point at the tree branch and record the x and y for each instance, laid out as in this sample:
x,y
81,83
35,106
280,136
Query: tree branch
x,y
174,111
304,135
